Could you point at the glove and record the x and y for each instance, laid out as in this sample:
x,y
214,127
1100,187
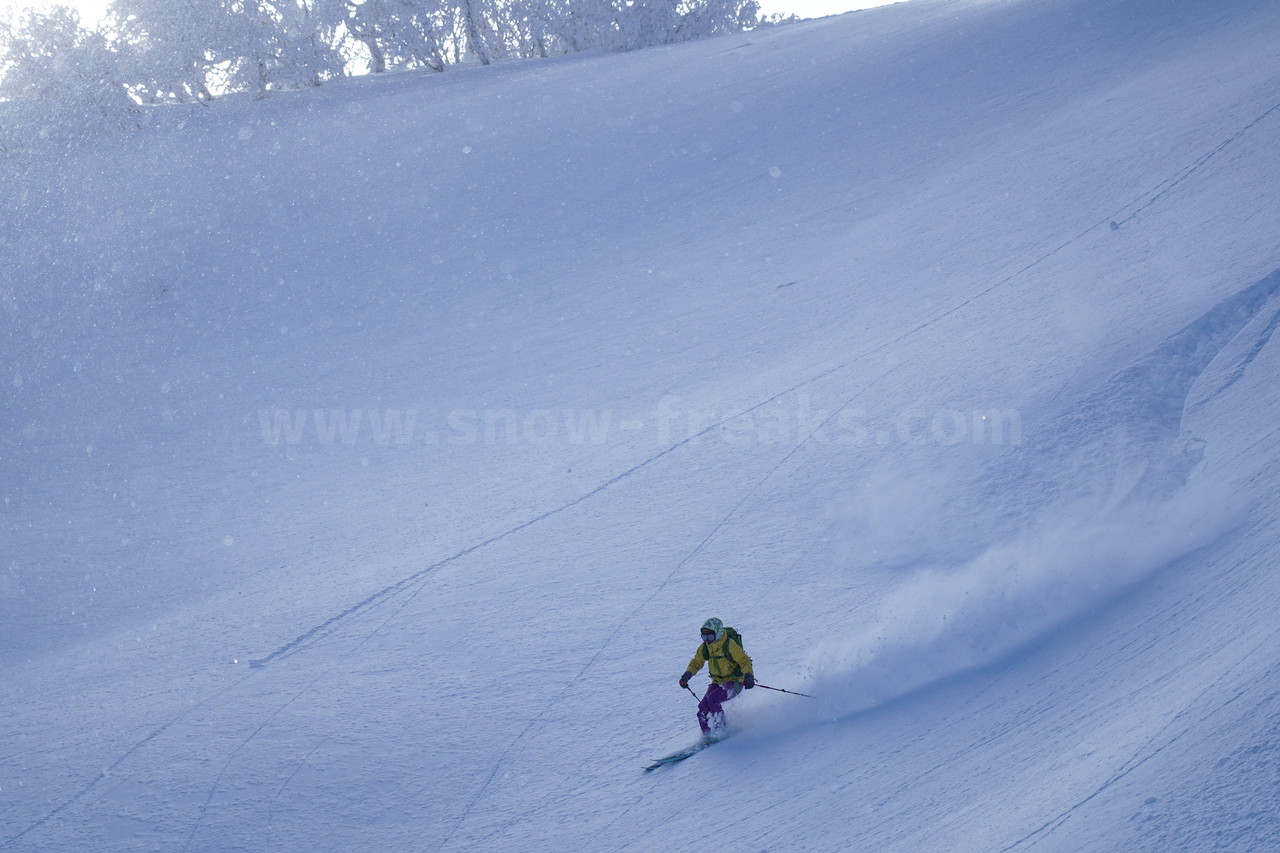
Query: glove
x,y
749,681
684,679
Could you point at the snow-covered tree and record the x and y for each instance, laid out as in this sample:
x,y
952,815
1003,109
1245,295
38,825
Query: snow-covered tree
x,y
282,44
400,33
164,51
181,50
175,50
476,21
60,78
652,22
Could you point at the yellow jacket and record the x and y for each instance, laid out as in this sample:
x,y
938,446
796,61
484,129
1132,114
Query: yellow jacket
x,y
723,667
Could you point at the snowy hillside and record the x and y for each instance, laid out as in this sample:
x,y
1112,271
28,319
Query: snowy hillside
x,y
373,453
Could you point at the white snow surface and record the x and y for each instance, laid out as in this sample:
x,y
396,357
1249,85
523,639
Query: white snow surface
x,y
694,331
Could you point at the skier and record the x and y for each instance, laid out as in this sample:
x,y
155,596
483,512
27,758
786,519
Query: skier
x,y
730,670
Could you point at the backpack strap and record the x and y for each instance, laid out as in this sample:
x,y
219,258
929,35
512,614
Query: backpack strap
x,y
706,653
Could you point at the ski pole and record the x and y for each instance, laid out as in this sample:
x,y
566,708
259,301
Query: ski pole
x,y
780,690
690,689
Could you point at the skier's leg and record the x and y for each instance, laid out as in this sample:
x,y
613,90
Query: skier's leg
x,y
711,709
710,712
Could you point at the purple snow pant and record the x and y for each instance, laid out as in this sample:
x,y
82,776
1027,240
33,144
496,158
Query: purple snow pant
x,y
710,710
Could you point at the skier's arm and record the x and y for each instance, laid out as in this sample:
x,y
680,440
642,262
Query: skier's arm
x,y
698,660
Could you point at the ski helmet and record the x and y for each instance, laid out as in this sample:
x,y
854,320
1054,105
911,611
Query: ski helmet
x,y
715,626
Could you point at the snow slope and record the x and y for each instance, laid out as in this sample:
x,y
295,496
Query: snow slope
x,y
373,453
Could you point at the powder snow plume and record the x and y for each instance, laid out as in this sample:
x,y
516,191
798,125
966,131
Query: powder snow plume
x,y
948,619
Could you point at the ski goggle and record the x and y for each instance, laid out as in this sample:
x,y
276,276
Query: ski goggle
x,y
708,636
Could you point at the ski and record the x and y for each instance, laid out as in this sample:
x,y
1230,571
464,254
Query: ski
x,y
687,752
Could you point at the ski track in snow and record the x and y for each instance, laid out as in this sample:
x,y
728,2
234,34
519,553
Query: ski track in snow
x,y
422,574
119,761
1165,737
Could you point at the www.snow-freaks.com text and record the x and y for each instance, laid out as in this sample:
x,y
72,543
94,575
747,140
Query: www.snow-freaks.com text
x,y
670,421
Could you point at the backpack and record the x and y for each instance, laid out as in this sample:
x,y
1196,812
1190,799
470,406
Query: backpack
x,y
732,634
